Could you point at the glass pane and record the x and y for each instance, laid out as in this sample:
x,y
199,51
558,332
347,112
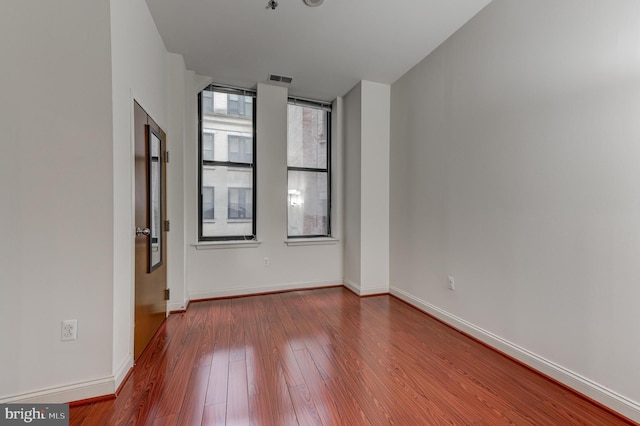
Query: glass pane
x,y
226,173
307,137
232,201
155,202
233,134
238,107
307,204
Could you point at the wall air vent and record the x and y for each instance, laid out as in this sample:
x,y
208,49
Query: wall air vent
x,y
280,78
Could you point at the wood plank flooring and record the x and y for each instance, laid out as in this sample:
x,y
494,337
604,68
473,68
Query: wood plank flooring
x,y
328,357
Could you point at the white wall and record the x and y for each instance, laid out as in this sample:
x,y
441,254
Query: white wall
x,y
139,71
219,270
367,188
514,169
176,136
352,194
56,181
374,187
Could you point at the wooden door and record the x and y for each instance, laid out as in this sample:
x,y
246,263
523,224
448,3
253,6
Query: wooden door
x,y
150,234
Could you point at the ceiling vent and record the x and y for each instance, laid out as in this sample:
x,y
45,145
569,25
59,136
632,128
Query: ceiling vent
x,y
280,78
313,3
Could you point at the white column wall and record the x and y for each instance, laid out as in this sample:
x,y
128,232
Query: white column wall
x,y
352,187
367,188
374,188
139,71
176,137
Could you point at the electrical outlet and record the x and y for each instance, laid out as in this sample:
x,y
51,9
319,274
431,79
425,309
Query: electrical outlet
x,y
452,283
266,261
69,330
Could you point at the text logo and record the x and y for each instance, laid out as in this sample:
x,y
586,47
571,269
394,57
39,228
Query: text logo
x,y
34,414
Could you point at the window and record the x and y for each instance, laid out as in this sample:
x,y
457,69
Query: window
x,y
240,203
207,102
308,161
208,200
239,105
207,147
240,148
227,167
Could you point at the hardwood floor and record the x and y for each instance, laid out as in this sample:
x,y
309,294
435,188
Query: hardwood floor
x,y
327,357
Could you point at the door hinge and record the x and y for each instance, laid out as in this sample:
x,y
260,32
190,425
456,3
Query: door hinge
x,y
167,294
166,156
167,225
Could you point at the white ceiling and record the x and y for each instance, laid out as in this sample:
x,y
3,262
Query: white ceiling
x,y
326,49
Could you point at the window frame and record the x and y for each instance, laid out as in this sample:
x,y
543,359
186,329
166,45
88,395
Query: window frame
x,y
327,108
208,163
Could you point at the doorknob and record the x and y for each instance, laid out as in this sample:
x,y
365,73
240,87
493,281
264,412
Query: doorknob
x,y
140,231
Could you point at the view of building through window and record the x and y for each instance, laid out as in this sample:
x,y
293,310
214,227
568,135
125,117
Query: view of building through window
x,y
308,152
227,181
227,172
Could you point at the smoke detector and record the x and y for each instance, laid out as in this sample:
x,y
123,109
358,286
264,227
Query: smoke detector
x,y
313,3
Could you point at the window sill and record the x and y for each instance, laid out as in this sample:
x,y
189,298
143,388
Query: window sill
x,y
311,241
211,245
239,220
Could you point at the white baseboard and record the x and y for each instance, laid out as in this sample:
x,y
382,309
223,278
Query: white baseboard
x,y
352,286
593,390
357,289
177,306
123,370
373,291
247,291
75,391
64,394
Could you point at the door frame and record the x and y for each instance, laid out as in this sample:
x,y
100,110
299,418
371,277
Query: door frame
x,y
132,220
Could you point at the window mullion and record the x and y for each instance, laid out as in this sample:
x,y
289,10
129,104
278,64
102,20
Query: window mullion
x,y
307,169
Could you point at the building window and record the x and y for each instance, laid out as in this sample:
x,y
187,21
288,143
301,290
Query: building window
x,y
228,165
240,148
239,105
308,167
207,147
208,200
240,203
207,102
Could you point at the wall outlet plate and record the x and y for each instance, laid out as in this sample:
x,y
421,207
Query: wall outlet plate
x,y
451,283
69,330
